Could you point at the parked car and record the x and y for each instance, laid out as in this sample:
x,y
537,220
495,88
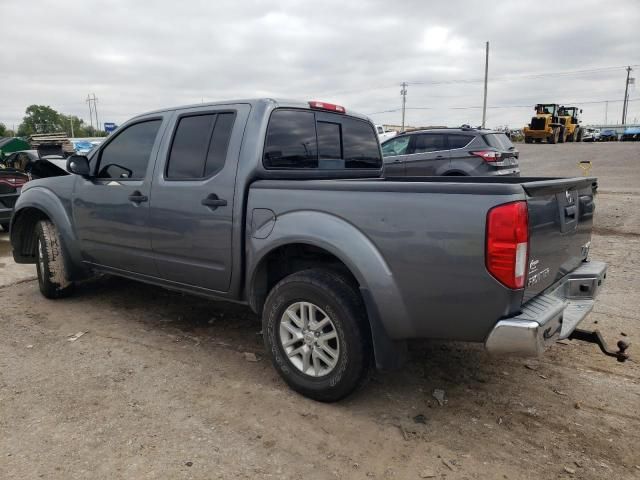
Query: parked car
x,y
283,206
631,134
35,166
11,183
591,135
384,134
608,135
450,152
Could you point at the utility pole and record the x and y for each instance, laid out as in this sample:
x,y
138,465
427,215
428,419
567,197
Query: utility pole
x,y
403,92
91,99
626,97
71,123
95,109
486,76
90,110
606,111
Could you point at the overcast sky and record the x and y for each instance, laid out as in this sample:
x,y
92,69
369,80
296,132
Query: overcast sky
x,y
138,56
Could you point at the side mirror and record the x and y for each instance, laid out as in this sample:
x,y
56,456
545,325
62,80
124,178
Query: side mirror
x,y
79,165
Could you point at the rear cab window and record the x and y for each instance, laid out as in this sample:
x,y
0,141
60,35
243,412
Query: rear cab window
x,y
314,140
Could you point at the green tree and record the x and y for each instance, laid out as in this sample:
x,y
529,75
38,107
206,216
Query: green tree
x,y
3,130
41,119
44,119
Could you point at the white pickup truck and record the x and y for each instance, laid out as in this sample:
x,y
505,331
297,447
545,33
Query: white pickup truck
x,y
384,134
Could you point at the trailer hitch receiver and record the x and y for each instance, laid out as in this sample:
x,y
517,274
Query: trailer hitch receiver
x,y
596,337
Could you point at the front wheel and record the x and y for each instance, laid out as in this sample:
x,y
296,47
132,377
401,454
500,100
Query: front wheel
x,y
52,272
315,332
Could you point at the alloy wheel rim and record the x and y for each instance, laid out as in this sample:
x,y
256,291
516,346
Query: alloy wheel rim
x,y
309,339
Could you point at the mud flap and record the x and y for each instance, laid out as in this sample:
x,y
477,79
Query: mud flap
x,y
389,354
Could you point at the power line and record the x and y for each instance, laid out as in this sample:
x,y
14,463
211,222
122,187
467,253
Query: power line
x,y
499,106
521,76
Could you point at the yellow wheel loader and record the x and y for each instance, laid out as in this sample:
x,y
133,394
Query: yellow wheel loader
x,y
569,118
545,125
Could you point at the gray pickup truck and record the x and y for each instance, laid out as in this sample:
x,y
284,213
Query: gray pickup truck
x,y
282,205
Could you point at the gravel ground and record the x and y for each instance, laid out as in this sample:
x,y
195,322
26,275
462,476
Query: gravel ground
x,y
159,386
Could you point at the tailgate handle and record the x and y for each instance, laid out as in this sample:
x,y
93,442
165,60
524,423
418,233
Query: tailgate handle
x,y
570,212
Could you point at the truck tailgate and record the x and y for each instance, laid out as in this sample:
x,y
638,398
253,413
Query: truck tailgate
x,y
560,223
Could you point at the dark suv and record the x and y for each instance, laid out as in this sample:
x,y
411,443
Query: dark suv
x,y
450,151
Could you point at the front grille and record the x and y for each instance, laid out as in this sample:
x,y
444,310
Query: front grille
x,y
537,123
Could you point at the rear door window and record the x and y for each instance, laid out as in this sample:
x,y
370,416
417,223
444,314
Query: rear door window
x,y
459,141
428,142
499,141
199,147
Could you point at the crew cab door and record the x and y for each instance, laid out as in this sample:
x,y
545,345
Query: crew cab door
x,y
111,210
192,197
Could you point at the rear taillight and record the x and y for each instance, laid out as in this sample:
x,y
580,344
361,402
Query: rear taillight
x,y
487,155
331,107
508,243
14,182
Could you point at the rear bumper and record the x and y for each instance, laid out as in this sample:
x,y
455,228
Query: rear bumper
x,y
551,316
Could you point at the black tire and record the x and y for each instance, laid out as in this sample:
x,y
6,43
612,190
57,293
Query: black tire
x,y
561,135
336,296
5,226
53,279
553,138
579,135
528,140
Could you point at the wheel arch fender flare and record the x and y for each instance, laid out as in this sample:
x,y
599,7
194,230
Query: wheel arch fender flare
x,y
40,199
361,257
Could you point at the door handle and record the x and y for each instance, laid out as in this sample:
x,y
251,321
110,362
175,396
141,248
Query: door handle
x,y
138,197
213,202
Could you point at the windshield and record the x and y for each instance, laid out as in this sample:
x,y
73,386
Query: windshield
x,y
546,109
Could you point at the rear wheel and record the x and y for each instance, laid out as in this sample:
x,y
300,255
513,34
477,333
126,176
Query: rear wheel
x,y
315,333
528,140
52,272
